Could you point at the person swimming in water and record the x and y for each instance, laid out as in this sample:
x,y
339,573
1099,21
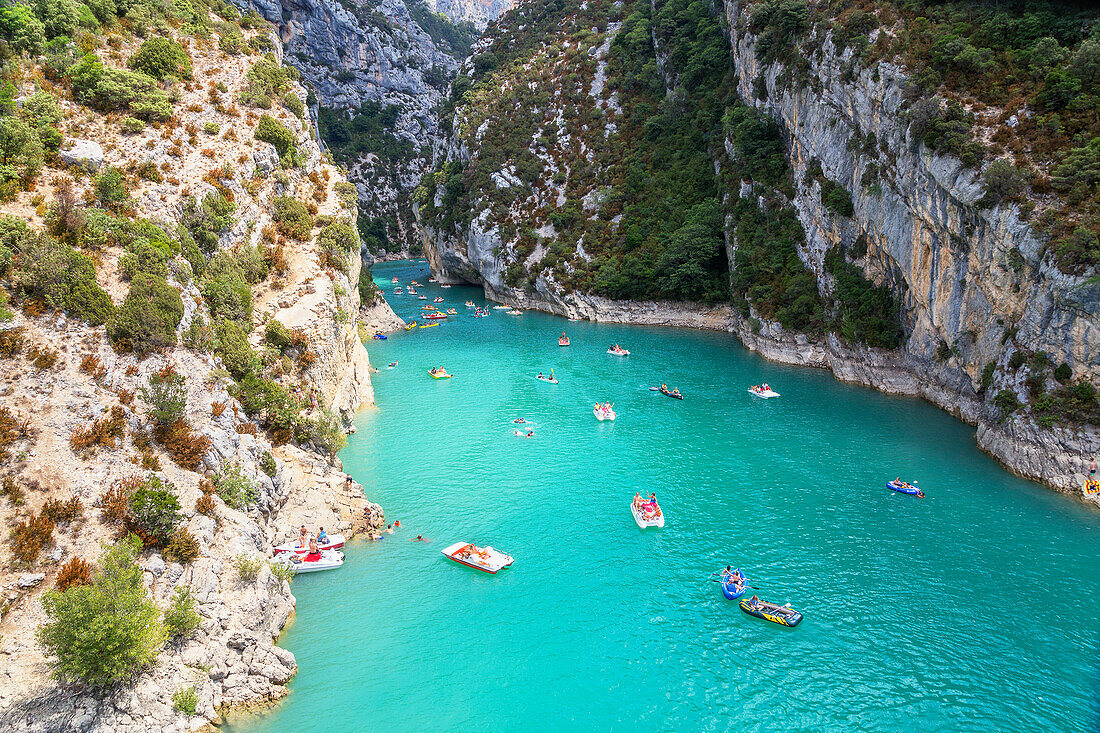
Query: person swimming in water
x,y
418,538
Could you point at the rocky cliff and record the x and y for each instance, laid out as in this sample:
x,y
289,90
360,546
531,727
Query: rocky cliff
x,y
62,377
979,292
392,54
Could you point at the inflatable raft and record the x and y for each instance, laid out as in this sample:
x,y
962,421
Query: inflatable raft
x,y
729,587
782,615
905,488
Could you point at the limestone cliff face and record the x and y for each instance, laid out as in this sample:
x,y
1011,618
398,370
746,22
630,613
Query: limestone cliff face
x,y
973,278
356,52
478,12
232,659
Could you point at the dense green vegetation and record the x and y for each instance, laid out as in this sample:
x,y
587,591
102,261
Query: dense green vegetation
x,y
353,135
457,36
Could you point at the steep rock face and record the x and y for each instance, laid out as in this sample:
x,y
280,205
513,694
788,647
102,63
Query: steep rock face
x,y
477,12
356,52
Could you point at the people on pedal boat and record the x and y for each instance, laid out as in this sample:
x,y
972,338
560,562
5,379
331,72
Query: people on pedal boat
x,y
322,536
540,376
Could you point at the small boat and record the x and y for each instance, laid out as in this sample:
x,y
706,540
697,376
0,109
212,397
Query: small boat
x,y
452,312
501,307
394,280
441,373
904,487
427,307
763,391
481,314
470,304
422,297
443,285
563,341
544,378
674,393
398,291
515,312
485,558
411,290
429,325
414,282
782,615
603,413
312,562
435,316
380,336
332,542
648,514
437,300
392,365
431,279
410,326
730,585
618,351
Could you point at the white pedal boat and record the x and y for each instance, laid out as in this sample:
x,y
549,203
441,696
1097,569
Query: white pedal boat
x,y
620,352
763,393
313,562
646,518
485,558
332,542
602,415
544,378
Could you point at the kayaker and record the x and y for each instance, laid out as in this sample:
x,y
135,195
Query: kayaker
x,y
754,602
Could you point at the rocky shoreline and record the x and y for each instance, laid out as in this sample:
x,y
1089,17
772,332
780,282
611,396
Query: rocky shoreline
x,y
1056,457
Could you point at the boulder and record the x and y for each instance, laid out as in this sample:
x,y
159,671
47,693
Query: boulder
x,y
30,580
84,153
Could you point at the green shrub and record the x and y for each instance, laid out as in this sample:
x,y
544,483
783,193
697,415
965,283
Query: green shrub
x,y
1063,373
836,199
235,488
21,29
282,570
161,57
267,464
348,194
276,334
294,103
272,131
211,128
232,346
181,618
119,90
226,291
1002,181
61,277
292,218
248,566
110,187
147,320
232,41
167,393
21,155
186,700
865,312
1007,401
104,632
1017,360
132,125
335,242
324,431
206,221
265,80
987,376
142,257
154,511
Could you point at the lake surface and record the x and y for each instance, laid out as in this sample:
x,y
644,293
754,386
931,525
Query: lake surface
x,y
972,609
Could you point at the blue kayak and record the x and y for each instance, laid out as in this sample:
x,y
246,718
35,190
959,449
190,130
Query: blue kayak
x,y
380,336
904,488
729,589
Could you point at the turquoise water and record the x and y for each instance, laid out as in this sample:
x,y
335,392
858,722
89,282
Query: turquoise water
x,y
972,609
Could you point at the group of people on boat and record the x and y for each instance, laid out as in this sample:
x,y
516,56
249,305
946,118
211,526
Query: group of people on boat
x,y
760,388
616,349
315,543
438,372
648,508
604,407
673,392
735,577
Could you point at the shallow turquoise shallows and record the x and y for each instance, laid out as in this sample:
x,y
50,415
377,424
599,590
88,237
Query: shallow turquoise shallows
x,y
974,609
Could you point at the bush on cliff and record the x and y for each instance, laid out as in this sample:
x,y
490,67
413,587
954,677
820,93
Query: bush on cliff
x,y
153,511
292,218
119,90
206,220
272,131
148,318
60,277
865,312
233,348
104,632
160,57
235,488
